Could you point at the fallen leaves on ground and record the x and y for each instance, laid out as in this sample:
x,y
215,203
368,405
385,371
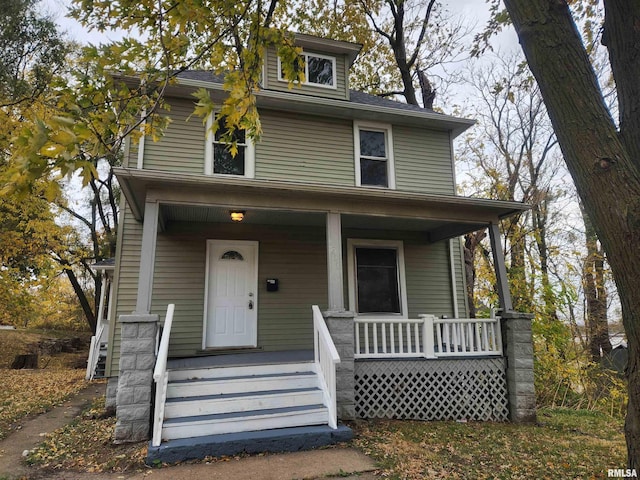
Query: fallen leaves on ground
x,y
30,392
565,444
87,445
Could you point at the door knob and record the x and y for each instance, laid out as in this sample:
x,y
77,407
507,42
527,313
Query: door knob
x,y
250,304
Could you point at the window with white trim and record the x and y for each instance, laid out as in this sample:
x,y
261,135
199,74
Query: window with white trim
x,y
319,70
373,155
218,157
376,277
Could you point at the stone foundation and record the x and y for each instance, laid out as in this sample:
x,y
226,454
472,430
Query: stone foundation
x,y
340,325
137,359
112,389
517,344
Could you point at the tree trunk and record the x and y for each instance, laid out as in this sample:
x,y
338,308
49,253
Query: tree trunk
x,y
601,164
540,219
82,298
471,242
28,361
595,295
520,292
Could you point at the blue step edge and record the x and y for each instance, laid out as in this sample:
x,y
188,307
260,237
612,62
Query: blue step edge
x,y
278,440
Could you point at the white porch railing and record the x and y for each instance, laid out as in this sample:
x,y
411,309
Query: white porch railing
x,y
427,337
161,377
326,357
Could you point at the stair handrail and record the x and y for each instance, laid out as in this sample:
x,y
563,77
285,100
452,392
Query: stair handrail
x,y
326,357
161,377
94,353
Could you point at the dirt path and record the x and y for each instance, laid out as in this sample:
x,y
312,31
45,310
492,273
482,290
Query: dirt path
x,y
30,434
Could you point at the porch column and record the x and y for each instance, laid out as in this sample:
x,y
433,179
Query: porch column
x,y
334,262
138,345
517,344
339,321
147,256
501,270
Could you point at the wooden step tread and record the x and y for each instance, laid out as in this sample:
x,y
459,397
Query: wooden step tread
x,y
241,377
245,415
223,396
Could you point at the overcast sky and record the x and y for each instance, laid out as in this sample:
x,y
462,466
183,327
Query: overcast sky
x,y
475,11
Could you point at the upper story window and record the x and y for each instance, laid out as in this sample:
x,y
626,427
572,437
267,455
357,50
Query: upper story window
x,y
373,155
218,157
319,70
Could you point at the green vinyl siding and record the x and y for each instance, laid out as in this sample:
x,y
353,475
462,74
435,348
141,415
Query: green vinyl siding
x,y
423,161
427,271
125,282
130,153
181,148
461,284
294,255
428,275
305,149
273,83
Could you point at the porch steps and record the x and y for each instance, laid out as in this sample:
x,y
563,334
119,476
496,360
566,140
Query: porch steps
x,y
202,402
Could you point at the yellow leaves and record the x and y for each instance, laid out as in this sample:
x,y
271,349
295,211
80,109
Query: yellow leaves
x,y
51,191
26,392
52,150
86,445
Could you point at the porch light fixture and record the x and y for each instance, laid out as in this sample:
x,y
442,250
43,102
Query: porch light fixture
x,y
237,215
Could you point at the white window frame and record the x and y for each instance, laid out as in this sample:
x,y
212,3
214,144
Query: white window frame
x,y
249,153
388,137
398,246
306,71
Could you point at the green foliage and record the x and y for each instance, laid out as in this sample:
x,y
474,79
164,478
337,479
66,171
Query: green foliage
x,y
31,51
565,376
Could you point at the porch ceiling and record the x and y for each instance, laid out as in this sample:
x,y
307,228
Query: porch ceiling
x,y
199,198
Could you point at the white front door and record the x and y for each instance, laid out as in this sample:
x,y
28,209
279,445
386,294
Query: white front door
x,y
231,302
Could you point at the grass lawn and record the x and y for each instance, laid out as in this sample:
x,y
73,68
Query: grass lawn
x,y
565,444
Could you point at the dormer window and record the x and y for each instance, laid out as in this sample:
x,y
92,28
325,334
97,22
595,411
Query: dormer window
x,y
319,70
373,155
218,157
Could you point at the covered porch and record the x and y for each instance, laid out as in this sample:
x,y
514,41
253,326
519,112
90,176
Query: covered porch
x,y
328,224
311,248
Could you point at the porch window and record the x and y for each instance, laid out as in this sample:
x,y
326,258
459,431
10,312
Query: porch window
x,y
319,70
376,277
377,280
219,160
374,155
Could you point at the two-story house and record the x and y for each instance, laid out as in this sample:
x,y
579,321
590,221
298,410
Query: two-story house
x,y
315,276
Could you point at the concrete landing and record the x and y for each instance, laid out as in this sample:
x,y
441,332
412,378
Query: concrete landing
x,y
279,440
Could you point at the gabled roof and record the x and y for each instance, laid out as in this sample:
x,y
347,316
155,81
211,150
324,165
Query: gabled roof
x,y
361,106
356,96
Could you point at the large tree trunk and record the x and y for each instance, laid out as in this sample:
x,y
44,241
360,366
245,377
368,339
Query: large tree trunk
x,y
602,162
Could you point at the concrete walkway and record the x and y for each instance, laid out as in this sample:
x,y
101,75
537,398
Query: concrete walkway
x,y
323,464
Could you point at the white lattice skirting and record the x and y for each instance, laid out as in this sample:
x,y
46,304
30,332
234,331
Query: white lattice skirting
x,y
470,389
